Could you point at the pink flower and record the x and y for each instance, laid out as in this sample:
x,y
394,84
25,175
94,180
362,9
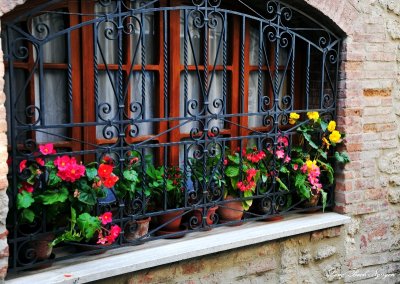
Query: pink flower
x,y
295,167
280,154
287,159
72,171
283,140
225,162
47,149
22,165
62,162
106,218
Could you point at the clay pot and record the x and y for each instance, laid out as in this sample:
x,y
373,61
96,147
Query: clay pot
x,y
136,229
42,246
230,211
198,214
167,217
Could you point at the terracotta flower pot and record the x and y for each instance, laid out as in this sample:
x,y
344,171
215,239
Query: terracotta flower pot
x,y
198,214
136,229
42,246
230,211
173,226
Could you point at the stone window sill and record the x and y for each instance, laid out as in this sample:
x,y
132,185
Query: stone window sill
x,y
125,260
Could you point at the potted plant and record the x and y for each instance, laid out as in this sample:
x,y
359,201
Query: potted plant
x,y
166,185
312,160
243,172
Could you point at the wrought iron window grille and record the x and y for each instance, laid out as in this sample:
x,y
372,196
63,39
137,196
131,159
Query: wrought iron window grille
x,y
181,87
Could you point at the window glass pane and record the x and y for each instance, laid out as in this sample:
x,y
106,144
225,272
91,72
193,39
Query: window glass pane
x,y
54,101
193,38
54,51
216,41
107,106
149,29
143,105
107,35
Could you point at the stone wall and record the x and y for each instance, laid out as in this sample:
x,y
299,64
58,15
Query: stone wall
x,y
368,189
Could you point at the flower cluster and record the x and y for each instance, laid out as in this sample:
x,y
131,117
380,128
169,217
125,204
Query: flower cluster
x,y
68,168
107,236
313,172
107,177
249,183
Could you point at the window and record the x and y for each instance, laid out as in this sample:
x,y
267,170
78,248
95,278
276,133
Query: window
x,y
172,83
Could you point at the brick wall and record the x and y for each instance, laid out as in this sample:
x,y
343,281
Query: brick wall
x,y
368,189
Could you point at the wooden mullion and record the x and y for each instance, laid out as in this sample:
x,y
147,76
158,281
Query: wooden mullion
x,y
88,100
174,80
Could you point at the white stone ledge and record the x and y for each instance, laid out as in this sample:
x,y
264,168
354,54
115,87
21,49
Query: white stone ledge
x,y
125,260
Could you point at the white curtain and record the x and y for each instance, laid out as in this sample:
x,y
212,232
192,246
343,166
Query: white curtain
x,y
54,82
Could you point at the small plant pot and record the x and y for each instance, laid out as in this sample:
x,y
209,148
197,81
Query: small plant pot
x,y
230,211
210,217
171,221
136,229
42,247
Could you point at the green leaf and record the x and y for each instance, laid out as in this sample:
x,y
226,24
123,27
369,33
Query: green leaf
x,y
284,170
24,199
281,184
53,196
232,171
91,173
329,171
323,154
88,225
324,198
300,184
28,215
323,124
309,140
54,179
71,236
50,165
88,197
131,175
342,157
234,158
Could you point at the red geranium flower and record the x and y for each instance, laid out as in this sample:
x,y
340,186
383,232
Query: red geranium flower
x,y
25,187
110,181
105,171
62,162
22,165
40,161
106,218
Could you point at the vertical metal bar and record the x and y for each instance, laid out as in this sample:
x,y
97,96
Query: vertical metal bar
x,y
308,76
41,87
259,79
321,95
224,63
185,62
292,73
71,113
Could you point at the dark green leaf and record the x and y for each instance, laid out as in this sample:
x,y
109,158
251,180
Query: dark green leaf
x,y
309,140
324,198
91,173
342,157
54,195
323,154
54,179
88,197
24,199
28,215
300,184
323,124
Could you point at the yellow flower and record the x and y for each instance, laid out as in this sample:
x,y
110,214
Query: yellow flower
x,y
310,164
293,117
335,136
326,142
331,125
313,115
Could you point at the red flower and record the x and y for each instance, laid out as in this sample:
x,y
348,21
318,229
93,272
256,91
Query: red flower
x,y
9,161
114,233
72,171
110,181
105,171
40,161
25,187
22,165
47,149
251,173
106,218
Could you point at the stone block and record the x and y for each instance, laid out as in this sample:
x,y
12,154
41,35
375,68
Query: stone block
x,y
325,252
332,272
305,257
